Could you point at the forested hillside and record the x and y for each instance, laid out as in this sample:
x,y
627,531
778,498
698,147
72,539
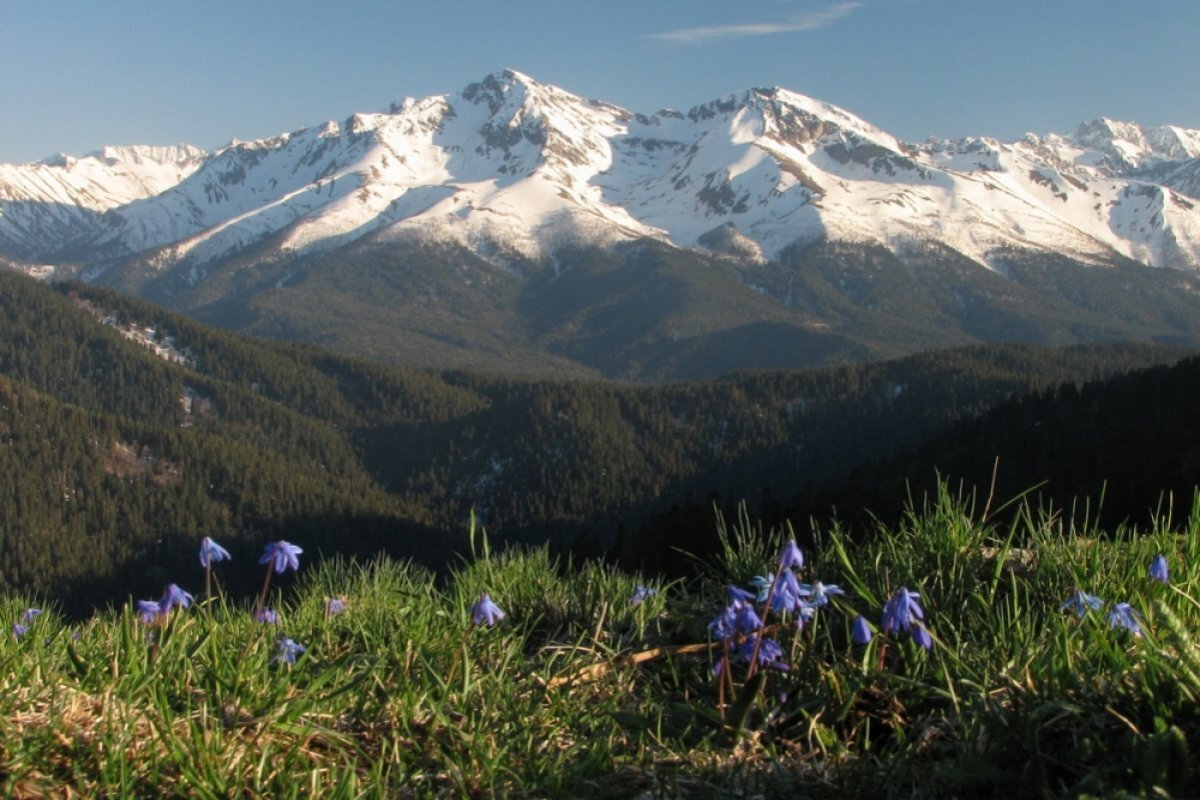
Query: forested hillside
x,y
1123,450
129,432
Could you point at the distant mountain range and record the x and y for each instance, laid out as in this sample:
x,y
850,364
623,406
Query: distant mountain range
x,y
518,227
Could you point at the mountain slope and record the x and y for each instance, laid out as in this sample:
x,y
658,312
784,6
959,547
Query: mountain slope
x,y
46,206
513,226
1117,451
130,431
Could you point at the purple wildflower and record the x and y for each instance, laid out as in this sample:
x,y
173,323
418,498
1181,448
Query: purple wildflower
x,y
640,593
335,606
762,587
281,555
860,632
288,650
820,593
148,610
738,593
21,627
210,551
791,557
266,616
173,596
769,652
737,618
805,613
1158,569
746,619
725,624
921,636
1081,602
901,611
485,612
1124,616
789,594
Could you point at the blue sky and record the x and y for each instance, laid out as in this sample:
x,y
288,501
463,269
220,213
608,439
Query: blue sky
x,y
79,74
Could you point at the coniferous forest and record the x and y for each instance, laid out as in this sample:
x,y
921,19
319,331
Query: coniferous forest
x,y
130,432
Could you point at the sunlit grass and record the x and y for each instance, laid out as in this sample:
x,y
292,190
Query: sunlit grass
x,y
579,692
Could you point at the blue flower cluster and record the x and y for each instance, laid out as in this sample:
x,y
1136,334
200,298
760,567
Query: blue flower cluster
x,y
21,627
740,628
1122,615
151,611
278,556
903,614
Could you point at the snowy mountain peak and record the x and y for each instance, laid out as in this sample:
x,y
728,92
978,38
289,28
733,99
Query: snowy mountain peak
x,y
511,165
516,100
1173,142
149,158
499,88
1131,145
48,206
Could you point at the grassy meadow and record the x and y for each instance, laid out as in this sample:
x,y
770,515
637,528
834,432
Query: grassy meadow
x,y
995,678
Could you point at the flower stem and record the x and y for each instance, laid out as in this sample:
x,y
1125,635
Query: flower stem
x,y
765,612
262,596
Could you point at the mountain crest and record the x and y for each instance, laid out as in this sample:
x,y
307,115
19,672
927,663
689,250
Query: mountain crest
x,y
512,165
501,88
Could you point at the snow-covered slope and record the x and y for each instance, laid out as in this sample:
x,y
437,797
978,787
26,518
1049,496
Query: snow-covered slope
x,y
512,166
1079,201
46,205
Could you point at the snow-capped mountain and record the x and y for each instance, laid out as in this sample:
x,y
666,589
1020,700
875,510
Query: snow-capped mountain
x,y
45,206
512,166
514,226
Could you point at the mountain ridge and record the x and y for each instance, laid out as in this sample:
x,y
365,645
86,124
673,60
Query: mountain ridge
x,y
516,227
767,162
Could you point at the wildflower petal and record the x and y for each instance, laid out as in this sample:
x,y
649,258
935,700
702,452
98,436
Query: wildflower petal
x,y
921,636
148,610
288,650
1081,602
762,587
820,593
485,612
281,556
901,611
860,632
791,557
738,593
1124,616
173,596
746,619
210,551
769,651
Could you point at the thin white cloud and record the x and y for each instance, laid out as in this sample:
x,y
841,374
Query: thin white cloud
x,y
806,22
